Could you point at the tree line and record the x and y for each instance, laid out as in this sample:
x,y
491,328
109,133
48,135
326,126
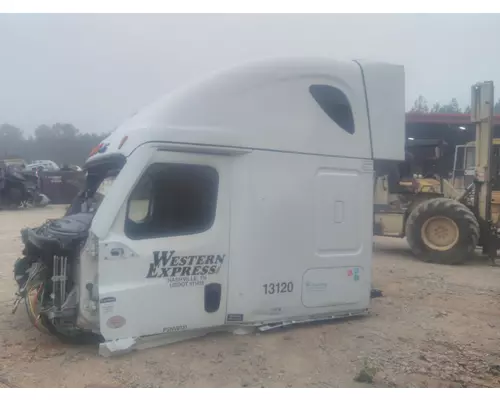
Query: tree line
x,y
421,105
61,143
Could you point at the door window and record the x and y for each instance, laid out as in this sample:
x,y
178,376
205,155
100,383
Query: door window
x,y
470,158
172,200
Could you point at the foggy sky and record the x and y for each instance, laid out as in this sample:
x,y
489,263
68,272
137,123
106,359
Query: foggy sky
x,y
96,70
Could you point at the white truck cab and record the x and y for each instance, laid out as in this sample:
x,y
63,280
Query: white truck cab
x,y
243,200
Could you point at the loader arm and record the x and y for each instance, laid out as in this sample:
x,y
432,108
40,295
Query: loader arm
x,y
482,116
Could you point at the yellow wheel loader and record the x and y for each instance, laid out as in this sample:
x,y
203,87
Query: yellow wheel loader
x,y
444,220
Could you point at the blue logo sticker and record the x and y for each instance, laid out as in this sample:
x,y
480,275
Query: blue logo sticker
x,y
103,148
356,274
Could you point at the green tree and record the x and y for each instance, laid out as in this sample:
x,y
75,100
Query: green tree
x,y
496,108
10,133
65,130
451,108
420,105
44,132
436,107
454,107
11,141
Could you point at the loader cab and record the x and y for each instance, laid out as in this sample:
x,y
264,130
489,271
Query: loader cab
x,y
243,200
400,186
427,155
464,166
464,172
421,171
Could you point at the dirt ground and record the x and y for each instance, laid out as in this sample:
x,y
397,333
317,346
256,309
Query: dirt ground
x,y
435,326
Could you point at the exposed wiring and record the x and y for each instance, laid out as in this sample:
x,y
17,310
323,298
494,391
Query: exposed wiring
x,y
32,302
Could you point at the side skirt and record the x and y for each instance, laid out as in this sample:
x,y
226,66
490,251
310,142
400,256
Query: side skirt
x,y
126,345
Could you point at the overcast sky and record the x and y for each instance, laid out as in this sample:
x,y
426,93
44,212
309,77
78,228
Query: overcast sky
x,y
95,70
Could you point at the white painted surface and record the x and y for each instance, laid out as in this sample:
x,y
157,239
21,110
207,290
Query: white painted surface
x,y
385,90
294,203
267,105
152,304
279,231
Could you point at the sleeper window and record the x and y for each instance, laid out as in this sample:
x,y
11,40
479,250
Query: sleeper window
x,y
172,200
335,104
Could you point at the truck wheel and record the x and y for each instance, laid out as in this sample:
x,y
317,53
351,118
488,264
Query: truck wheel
x,y
71,337
442,231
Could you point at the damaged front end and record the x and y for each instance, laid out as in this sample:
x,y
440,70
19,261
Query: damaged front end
x,y
57,274
47,275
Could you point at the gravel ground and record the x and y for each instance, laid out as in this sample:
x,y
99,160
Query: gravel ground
x,y
435,326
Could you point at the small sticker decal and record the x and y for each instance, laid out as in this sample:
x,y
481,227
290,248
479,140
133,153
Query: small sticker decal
x,y
108,308
275,311
316,286
55,179
115,322
107,300
177,328
103,148
234,317
354,272
100,148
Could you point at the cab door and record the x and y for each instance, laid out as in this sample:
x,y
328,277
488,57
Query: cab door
x,y
163,267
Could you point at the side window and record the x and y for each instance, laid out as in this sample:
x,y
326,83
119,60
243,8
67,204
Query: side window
x,y
335,104
140,201
172,200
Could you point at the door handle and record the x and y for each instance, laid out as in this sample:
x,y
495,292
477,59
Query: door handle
x,y
118,252
212,297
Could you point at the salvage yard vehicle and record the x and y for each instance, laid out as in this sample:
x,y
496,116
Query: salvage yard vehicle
x,y
444,220
19,188
243,201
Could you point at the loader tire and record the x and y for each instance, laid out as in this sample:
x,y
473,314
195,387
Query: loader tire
x,y
442,231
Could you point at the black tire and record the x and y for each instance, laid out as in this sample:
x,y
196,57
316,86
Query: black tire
x,y
468,231
74,338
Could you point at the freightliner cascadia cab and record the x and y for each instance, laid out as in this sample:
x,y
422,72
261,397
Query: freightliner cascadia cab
x,y
240,201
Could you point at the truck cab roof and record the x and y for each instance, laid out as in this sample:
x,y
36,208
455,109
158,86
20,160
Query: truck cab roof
x,y
302,105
